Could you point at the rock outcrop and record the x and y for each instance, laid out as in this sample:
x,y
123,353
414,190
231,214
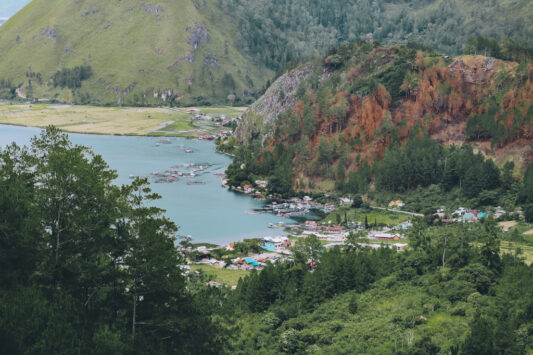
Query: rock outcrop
x,y
279,97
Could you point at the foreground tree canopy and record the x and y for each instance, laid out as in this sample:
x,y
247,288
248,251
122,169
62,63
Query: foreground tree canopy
x,y
90,267
86,265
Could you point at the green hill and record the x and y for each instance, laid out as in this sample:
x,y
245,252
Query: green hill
x,y
140,52
220,51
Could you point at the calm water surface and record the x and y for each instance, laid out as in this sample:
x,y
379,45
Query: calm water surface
x,y
209,213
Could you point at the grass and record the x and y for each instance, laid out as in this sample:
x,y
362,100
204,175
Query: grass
x,y
225,276
132,51
510,248
114,120
358,215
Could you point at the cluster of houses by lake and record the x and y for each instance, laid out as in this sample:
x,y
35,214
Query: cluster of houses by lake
x,y
219,120
466,215
278,248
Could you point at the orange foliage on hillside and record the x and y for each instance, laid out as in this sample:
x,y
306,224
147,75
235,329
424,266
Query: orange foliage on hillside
x,y
438,100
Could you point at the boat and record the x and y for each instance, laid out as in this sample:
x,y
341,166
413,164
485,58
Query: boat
x,y
132,176
189,151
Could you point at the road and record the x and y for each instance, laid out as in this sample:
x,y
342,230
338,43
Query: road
x,y
398,211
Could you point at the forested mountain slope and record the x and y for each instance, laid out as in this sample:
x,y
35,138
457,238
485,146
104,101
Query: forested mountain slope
x,y
139,52
335,114
275,32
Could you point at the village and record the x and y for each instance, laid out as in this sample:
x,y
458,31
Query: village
x,y
271,249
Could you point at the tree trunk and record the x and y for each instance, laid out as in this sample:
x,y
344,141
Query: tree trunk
x,y
444,252
134,315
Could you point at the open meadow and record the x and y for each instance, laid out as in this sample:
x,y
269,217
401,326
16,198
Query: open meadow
x,y
225,276
116,120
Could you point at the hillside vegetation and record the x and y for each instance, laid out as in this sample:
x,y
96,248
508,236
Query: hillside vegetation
x,y
339,115
92,267
276,32
140,53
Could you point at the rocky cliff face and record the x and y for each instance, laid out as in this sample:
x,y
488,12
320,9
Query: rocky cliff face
x,y
279,97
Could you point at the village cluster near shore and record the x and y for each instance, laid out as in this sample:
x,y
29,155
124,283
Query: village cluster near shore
x,y
279,248
219,120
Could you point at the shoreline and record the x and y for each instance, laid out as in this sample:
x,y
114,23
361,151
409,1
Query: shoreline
x,y
104,134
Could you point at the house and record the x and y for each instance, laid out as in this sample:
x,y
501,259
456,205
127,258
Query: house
x,y
460,211
248,189
334,229
261,183
193,110
251,261
397,203
329,207
405,225
469,217
213,284
499,212
387,237
275,244
345,201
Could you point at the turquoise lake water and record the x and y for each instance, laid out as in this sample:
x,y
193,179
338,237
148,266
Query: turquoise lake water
x,y
209,213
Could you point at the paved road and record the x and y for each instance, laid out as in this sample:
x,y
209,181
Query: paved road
x,y
398,211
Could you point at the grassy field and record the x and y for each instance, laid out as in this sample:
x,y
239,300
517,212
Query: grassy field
x,y
115,120
225,276
358,215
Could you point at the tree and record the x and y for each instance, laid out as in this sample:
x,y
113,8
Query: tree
x,y
98,269
526,192
357,201
352,306
353,239
307,249
507,175
480,339
528,213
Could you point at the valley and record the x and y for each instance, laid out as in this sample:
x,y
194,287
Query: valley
x,y
266,177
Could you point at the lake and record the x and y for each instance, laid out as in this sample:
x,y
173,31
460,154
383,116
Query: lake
x,y
208,212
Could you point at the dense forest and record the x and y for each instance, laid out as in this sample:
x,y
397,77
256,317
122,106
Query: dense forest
x,y
90,267
71,78
7,89
87,266
277,32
